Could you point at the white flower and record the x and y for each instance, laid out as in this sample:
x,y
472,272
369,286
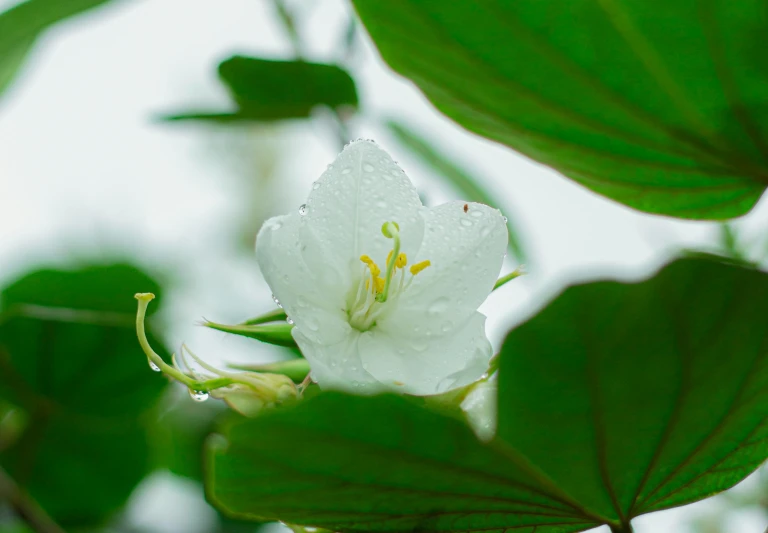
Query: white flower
x,y
382,290
480,408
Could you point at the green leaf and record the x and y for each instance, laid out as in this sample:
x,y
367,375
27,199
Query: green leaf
x,y
444,166
351,463
279,334
23,23
639,397
616,400
267,90
658,105
70,359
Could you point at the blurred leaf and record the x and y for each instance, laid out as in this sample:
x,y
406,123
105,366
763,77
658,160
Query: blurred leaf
x,y
279,334
267,90
444,166
70,358
616,400
23,23
178,435
658,105
644,396
351,464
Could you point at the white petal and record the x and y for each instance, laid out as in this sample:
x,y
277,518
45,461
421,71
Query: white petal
x,y
466,251
337,366
347,206
313,307
427,365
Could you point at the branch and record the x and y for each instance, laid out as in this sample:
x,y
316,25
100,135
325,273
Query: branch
x,y
27,509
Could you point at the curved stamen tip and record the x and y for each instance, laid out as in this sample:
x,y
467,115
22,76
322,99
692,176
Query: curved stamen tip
x,y
144,296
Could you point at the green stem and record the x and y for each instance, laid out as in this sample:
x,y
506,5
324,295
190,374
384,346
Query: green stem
x,y
622,528
519,271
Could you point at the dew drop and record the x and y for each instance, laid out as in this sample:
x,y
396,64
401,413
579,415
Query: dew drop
x,y
346,170
368,167
505,219
312,324
315,185
303,209
465,222
277,302
438,306
289,320
276,226
198,395
154,367
476,214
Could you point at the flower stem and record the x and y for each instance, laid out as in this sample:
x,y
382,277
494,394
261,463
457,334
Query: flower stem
x,y
391,231
622,528
27,509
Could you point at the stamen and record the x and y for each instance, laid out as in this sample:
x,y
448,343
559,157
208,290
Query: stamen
x,y
418,267
402,260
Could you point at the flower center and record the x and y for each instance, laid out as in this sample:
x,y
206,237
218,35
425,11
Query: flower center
x,y
374,291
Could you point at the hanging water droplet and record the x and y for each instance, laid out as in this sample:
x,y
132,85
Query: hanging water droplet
x,y
368,167
153,366
289,320
277,302
505,219
303,209
198,395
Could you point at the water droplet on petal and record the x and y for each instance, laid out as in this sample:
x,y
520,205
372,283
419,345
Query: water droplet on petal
x,y
289,320
368,167
381,203
465,222
346,170
154,367
438,306
303,209
198,395
315,185
446,327
505,219
277,302
476,213
311,323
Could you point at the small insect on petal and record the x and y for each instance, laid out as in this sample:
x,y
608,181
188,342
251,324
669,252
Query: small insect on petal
x,y
466,207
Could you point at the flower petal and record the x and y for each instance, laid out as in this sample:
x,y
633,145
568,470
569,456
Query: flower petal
x,y
347,206
427,365
313,306
337,366
466,249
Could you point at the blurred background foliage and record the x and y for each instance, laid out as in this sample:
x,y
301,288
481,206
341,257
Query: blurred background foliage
x,y
90,438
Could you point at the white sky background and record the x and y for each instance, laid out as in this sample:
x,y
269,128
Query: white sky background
x,y
85,172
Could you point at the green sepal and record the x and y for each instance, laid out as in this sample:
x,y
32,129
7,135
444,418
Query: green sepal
x,y
278,334
278,315
296,369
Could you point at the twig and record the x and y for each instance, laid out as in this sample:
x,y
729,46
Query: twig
x,y
27,509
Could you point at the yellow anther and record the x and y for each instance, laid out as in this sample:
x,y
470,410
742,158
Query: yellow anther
x,y
373,267
402,260
418,267
379,285
389,257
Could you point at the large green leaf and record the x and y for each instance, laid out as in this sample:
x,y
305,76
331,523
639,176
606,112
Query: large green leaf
x,y
377,464
659,105
643,396
616,400
69,358
22,24
268,90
